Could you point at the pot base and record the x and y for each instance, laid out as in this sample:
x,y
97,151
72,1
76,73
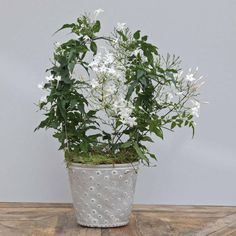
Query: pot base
x,y
120,224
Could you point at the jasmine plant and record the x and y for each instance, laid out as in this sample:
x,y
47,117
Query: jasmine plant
x,y
105,102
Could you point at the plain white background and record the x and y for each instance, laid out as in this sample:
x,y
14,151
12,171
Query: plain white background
x,y
189,171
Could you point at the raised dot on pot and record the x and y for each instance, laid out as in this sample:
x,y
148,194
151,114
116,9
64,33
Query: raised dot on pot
x,y
92,200
94,211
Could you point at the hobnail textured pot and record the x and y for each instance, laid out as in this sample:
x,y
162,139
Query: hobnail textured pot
x,y
103,194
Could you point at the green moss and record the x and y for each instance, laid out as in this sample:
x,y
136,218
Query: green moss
x,y
100,158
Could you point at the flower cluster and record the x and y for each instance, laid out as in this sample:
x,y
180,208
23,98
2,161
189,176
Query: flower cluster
x,y
109,89
183,87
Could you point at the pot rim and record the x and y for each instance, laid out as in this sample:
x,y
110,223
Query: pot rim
x,y
109,166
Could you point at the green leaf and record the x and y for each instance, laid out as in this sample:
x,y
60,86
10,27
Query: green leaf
x,y
106,136
152,156
66,26
124,37
173,124
73,103
61,110
93,47
91,113
156,129
191,124
186,123
140,153
84,146
144,38
96,27
94,137
137,34
127,144
130,90
146,138
140,74
190,117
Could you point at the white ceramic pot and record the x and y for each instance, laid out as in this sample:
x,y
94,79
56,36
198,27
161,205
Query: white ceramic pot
x,y
103,194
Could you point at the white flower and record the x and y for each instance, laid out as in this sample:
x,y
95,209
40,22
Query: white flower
x,y
49,78
194,111
112,71
178,75
179,93
169,97
40,86
136,52
131,121
58,78
125,113
94,83
43,99
195,108
196,86
86,38
95,69
190,77
121,26
119,103
111,89
103,69
57,44
96,61
115,41
98,12
108,58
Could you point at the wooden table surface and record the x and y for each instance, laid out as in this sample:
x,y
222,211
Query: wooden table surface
x,y
147,220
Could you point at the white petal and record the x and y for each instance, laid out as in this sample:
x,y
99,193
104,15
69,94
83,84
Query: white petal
x,y
98,12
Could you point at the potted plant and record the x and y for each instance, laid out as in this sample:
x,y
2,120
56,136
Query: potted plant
x,y
105,96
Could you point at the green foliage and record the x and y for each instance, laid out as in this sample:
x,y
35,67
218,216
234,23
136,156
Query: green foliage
x,y
77,125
